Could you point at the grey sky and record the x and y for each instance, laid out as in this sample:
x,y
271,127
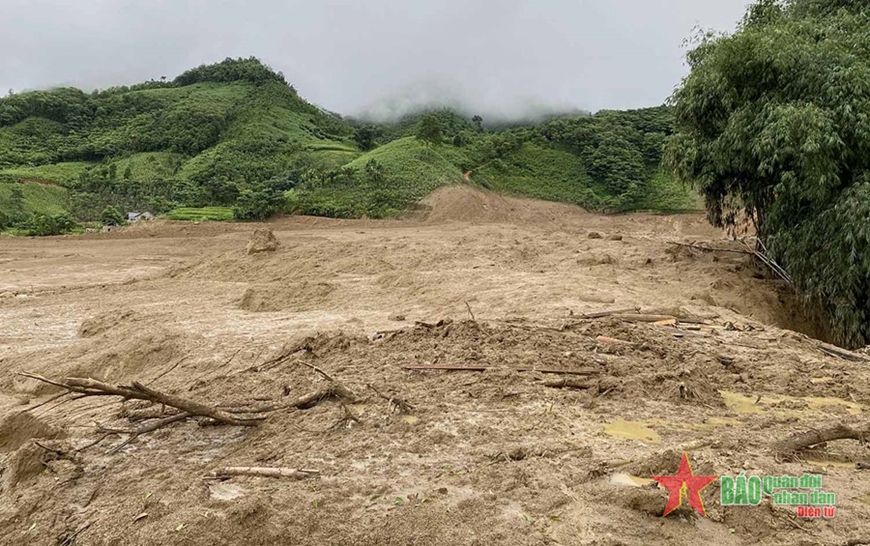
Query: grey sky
x,y
496,56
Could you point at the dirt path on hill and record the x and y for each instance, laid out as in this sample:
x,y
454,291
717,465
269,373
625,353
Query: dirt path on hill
x,y
493,457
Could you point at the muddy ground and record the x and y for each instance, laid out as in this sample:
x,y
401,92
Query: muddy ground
x,y
493,457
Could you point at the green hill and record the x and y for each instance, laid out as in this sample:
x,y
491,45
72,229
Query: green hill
x,y
236,134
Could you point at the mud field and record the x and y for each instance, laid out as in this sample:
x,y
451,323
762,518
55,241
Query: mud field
x,y
317,335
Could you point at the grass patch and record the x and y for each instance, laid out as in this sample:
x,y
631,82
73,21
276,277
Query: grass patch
x,y
38,198
192,214
410,173
542,173
666,195
57,173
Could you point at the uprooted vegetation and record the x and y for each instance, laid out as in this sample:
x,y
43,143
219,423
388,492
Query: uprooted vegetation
x,y
494,370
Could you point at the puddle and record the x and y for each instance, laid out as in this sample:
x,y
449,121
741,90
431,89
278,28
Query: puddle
x,y
711,423
822,403
631,431
629,480
746,404
740,403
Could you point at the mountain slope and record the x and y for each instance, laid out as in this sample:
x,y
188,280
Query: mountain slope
x,y
236,134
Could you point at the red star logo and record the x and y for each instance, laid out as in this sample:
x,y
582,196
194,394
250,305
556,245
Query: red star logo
x,y
688,482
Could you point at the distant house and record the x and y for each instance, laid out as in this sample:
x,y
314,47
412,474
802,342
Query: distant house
x,y
135,216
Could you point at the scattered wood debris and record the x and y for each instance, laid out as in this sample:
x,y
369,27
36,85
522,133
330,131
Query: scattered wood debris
x,y
263,472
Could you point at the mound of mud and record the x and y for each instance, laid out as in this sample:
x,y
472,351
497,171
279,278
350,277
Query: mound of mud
x,y
22,467
17,429
103,322
109,351
304,296
468,204
263,240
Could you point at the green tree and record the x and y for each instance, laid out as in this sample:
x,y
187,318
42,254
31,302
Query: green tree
x,y
365,137
42,225
375,171
111,216
478,123
257,205
773,126
429,130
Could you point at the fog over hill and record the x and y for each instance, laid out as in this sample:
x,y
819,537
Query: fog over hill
x,y
502,59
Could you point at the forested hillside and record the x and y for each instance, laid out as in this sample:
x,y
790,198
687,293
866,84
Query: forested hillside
x,y
236,134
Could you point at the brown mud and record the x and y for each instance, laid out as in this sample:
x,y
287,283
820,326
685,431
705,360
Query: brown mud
x,y
493,457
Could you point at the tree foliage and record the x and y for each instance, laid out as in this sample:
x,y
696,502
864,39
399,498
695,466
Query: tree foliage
x,y
111,216
231,70
429,130
774,125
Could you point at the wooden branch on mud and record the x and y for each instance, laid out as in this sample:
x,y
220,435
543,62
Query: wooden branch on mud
x,y
636,317
264,472
581,371
837,352
777,269
605,314
306,401
145,429
570,384
470,312
336,389
138,391
803,440
711,249
394,401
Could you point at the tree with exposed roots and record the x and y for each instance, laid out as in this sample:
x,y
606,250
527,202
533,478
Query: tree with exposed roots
x,y
773,125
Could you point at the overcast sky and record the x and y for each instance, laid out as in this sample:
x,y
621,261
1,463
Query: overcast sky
x,y
351,56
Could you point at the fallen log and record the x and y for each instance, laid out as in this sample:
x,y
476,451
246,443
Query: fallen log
x,y
138,391
581,371
837,352
803,440
634,317
605,314
264,472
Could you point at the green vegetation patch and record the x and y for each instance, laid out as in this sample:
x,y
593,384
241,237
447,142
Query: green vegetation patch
x,y
37,198
197,214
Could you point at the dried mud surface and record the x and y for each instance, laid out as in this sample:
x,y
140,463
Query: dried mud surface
x,y
493,457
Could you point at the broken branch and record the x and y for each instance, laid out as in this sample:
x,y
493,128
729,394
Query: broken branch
x,y
570,384
634,317
394,401
803,440
292,473
605,314
145,429
92,387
